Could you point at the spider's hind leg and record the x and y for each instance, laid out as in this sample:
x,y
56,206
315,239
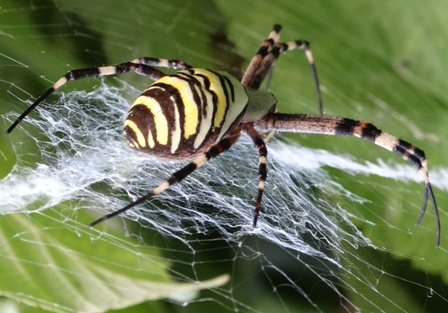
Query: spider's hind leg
x,y
142,66
214,151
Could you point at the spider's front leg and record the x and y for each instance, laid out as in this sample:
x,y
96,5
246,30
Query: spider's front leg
x,y
339,126
263,61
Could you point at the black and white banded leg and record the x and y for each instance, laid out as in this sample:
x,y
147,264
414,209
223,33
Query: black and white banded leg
x,y
263,61
142,66
339,126
262,167
178,176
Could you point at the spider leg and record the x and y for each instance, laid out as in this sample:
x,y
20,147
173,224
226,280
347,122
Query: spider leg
x,y
156,62
272,40
262,166
332,125
223,145
142,66
249,75
262,63
305,45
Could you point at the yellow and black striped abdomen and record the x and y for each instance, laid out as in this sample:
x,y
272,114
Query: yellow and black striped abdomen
x,y
183,114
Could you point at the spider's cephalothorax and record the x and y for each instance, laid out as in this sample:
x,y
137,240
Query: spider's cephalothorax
x,y
200,113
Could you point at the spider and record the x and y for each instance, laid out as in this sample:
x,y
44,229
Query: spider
x,y
197,113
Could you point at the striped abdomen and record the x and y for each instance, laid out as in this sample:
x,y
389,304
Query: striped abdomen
x,y
183,114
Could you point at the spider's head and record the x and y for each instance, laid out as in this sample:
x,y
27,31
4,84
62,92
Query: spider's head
x,y
260,103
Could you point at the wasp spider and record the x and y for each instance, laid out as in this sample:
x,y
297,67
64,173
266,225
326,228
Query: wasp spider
x,y
199,113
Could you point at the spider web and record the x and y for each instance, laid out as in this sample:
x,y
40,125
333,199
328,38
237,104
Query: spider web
x,y
307,253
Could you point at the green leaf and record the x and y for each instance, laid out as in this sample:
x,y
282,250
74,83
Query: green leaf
x,y
61,266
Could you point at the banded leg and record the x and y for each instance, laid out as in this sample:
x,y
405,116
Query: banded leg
x,y
269,51
142,66
272,40
249,77
167,63
178,176
331,125
262,167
